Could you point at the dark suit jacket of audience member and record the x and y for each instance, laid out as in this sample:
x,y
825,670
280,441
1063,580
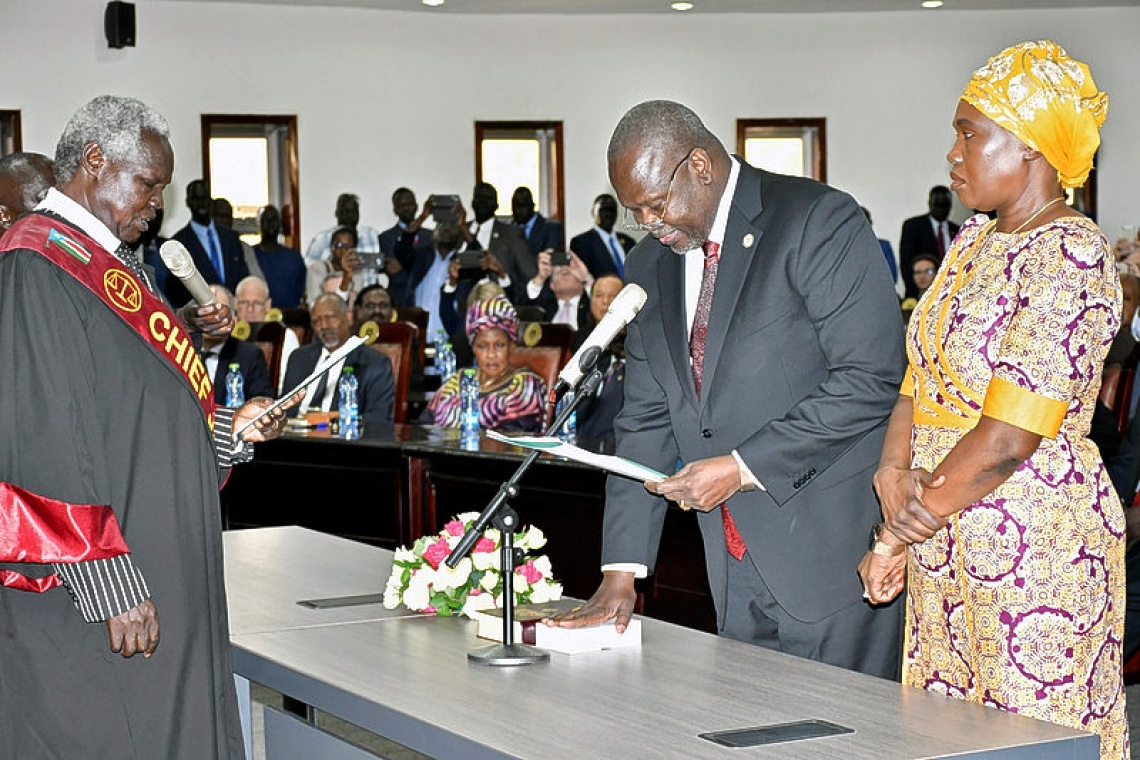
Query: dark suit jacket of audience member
x,y
545,233
510,247
373,371
595,252
233,259
421,240
596,413
251,363
415,260
918,237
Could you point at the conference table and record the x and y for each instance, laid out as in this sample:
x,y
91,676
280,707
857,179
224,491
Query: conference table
x,y
407,677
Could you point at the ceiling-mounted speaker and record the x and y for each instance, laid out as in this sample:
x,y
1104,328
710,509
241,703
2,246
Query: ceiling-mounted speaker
x,y
119,24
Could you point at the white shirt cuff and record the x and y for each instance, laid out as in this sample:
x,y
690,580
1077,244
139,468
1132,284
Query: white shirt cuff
x,y
532,290
639,570
747,472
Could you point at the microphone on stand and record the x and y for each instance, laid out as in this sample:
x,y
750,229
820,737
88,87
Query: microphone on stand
x,y
181,265
621,312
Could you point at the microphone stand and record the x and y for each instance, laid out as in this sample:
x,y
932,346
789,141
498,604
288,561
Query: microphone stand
x,y
506,519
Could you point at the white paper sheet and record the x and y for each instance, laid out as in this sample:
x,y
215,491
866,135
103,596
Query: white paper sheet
x,y
606,462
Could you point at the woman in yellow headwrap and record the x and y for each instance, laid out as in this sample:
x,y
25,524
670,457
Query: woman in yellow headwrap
x,y
1015,568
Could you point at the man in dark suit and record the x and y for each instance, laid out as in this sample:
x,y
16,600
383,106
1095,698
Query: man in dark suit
x,y
602,250
769,367
541,234
502,241
929,233
373,370
560,291
220,350
216,251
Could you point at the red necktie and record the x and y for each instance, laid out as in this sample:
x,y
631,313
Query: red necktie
x,y
733,542
941,241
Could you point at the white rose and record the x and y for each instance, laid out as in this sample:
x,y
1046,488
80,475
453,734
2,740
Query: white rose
x,y
493,534
477,603
404,554
418,594
446,577
542,565
489,581
484,560
534,539
540,593
467,517
391,598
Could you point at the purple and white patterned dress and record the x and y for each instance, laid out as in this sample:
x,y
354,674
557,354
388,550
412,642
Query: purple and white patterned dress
x,y
515,405
1019,601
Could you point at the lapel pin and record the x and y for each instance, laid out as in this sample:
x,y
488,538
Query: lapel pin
x,y
748,240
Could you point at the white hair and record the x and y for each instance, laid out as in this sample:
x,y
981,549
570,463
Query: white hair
x,y
115,123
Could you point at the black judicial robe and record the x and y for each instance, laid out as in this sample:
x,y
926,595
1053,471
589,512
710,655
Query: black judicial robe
x,y
90,413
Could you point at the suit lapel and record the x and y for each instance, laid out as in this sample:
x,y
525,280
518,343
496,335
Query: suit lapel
x,y
671,286
741,238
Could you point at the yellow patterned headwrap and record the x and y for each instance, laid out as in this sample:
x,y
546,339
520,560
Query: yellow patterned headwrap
x,y
1037,92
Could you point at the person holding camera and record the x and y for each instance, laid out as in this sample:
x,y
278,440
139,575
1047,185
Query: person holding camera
x,y
559,288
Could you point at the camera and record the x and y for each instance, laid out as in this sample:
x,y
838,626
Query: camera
x,y
443,209
559,258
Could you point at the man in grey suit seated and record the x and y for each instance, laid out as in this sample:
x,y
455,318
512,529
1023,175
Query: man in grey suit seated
x,y
331,328
766,359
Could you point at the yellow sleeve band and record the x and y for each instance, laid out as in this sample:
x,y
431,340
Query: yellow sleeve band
x,y
907,388
1023,408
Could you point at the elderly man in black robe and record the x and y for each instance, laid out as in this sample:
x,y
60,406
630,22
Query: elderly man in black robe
x,y
111,457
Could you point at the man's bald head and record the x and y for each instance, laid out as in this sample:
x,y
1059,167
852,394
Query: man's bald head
x,y
663,128
24,181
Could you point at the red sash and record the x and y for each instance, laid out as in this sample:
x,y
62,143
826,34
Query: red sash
x,y
118,288
38,529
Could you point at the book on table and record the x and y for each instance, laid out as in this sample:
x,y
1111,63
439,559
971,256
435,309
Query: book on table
x,y
530,630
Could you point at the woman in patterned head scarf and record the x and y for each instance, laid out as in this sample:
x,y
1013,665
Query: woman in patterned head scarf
x,y
1015,565
510,399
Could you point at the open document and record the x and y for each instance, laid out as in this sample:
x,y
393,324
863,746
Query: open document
x,y
348,347
606,462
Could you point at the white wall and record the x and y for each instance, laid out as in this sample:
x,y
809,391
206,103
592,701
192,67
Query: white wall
x,y
388,98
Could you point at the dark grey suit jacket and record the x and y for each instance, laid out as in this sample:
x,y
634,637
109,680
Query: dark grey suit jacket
x,y
373,371
802,368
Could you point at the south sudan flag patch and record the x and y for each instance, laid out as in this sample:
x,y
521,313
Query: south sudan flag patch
x,y
72,247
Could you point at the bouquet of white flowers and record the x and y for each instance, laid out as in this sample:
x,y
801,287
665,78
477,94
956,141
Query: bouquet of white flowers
x,y
421,581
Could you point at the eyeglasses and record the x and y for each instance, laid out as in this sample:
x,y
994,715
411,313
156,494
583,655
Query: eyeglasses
x,y
927,270
631,223
250,304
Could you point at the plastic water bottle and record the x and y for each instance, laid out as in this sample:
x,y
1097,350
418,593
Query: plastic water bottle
x,y
569,430
469,406
235,386
348,411
445,358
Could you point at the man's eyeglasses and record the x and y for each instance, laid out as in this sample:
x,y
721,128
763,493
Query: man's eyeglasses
x,y
250,304
631,223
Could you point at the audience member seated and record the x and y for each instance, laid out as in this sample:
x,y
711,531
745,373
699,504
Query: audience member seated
x,y
253,305
222,212
596,413
504,242
373,370
923,267
344,263
560,291
216,251
464,357
541,234
602,250
888,252
24,181
282,267
219,351
929,233
374,304
510,399
347,215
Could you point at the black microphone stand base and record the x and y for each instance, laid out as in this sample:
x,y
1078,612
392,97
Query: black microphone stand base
x,y
508,654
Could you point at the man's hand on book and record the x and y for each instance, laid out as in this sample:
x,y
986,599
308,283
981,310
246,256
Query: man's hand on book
x,y
614,599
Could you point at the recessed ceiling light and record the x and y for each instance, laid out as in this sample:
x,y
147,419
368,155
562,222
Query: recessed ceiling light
x,y
433,3
931,3
681,6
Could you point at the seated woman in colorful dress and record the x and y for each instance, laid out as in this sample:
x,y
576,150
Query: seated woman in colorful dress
x,y
510,399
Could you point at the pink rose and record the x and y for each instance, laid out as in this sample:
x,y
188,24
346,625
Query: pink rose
x,y
529,571
437,553
455,528
484,544
475,591
429,609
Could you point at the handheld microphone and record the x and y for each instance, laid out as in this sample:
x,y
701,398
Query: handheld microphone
x,y
621,312
181,265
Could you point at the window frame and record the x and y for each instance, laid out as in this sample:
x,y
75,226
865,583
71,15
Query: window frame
x,y
819,124
554,206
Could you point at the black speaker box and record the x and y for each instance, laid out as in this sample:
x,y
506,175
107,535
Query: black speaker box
x,y
119,24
